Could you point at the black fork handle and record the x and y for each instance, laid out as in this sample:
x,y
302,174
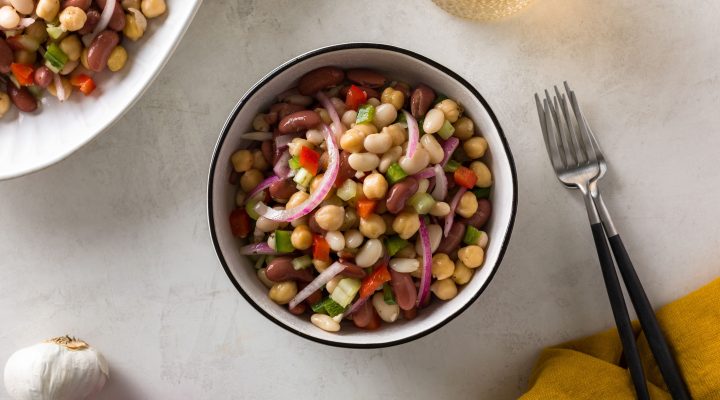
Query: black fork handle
x,y
659,347
619,309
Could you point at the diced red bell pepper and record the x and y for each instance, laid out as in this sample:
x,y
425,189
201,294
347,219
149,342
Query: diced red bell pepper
x,y
365,207
355,97
24,73
465,177
85,83
375,281
321,248
309,159
240,222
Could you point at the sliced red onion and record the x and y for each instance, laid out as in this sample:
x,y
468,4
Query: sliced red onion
x,y
448,148
356,305
317,196
328,105
427,264
105,16
413,134
426,173
284,140
281,168
453,205
441,185
317,283
259,136
263,185
59,88
257,248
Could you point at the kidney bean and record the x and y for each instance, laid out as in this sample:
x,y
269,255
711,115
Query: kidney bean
x,y
366,77
420,100
409,314
452,241
298,121
267,149
351,270
298,309
282,190
363,315
371,93
93,17
404,289
282,110
318,79
43,76
400,193
6,56
117,20
281,269
100,48
481,216
84,4
345,171
314,227
22,98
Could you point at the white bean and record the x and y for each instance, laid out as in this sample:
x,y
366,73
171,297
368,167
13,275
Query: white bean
x,y
23,6
348,118
388,158
332,283
335,240
435,233
266,225
369,253
433,148
9,18
378,143
325,323
385,114
387,312
413,165
404,264
314,136
364,161
353,239
434,120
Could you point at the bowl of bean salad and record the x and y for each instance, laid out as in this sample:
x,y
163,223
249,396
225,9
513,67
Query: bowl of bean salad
x,y
361,195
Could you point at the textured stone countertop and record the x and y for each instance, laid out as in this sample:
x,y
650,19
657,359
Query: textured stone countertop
x,y
112,244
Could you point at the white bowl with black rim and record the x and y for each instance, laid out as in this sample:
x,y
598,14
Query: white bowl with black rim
x,y
396,63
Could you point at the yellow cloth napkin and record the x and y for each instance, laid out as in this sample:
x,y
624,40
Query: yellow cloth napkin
x,y
589,368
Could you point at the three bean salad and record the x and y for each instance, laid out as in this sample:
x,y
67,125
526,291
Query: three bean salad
x,y
59,45
360,196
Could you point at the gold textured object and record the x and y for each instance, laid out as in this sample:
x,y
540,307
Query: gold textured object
x,y
482,9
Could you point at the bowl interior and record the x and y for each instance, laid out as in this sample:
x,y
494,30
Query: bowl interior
x,y
396,64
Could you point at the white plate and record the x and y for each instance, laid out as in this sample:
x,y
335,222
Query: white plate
x,y
29,142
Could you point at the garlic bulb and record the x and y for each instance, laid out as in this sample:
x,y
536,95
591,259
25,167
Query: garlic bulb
x,y
62,368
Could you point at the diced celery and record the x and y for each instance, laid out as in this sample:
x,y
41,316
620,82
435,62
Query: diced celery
x,y
451,166
388,295
294,163
328,306
347,190
55,31
302,262
303,177
282,241
446,130
250,209
472,235
366,114
422,202
55,57
345,291
395,244
401,118
481,193
395,173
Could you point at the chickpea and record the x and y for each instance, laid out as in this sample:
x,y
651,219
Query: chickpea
x,y
472,256
475,147
242,160
464,128
72,47
297,144
301,237
397,133
320,265
283,292
330,218
442,266
462,273
482,172
352,140
72,18
373,226
133,29
4,103
450,109
250,180
66,86
406,224
375,186
153,8
118,58
394,97
9,18
440,209
262,275
468,205
444,289
296,199
83,58
127,4
366,129
47,9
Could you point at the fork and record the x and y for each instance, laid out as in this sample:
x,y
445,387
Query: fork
x,y
576,168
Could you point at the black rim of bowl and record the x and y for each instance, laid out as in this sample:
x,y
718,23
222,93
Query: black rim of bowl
x,y
330,49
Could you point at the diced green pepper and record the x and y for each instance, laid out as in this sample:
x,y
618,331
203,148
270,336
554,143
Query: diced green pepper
x,y
301,262
294,163
366,114
395,173
55,58
421,202
282,242
303,177
395,244
451,166
250,208
481,193
472,235
401,118
345,291
446,130
388,295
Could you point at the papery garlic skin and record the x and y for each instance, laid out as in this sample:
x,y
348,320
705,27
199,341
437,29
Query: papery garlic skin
x,y
61,369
